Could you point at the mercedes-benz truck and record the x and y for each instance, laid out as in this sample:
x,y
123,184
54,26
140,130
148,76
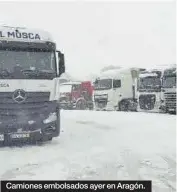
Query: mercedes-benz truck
x,y
30,67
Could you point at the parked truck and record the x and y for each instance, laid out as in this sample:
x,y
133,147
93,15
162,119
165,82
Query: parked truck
x,y
168,102
115,89
76,95
30,67
149,90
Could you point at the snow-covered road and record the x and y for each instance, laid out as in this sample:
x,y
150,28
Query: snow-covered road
x,y
101,145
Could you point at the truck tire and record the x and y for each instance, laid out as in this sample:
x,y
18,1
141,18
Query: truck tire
x,y
81,105
123,106
172,112
132,105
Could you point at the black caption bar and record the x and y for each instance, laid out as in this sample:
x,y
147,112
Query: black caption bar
x,y
120,186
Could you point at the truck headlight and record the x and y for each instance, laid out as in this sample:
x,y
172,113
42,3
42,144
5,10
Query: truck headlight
x,y
51,118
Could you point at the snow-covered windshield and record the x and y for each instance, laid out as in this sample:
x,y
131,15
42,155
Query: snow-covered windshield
x,y
150,83
27,60
103,84
65,88
169,82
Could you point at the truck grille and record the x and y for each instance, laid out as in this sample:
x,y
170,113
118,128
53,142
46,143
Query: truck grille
x,y
147,102
101,104
32,97
32,107
101,100
170,99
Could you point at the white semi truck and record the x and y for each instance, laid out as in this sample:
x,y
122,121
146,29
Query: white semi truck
x,y
30,67
115,89
149,90
169,90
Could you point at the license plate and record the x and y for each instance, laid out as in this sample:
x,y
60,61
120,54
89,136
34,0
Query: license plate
x,y
1,137
19,135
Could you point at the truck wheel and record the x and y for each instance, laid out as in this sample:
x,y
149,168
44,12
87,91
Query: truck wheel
x,y
172,112
132,105
81,105
123,106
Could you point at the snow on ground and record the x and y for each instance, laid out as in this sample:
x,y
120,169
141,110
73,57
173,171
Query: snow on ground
x,y
101,145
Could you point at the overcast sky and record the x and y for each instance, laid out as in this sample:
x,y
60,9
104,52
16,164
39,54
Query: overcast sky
x,y
96,34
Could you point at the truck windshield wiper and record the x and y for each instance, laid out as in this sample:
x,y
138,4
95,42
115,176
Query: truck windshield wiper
x,y
39,73
36,71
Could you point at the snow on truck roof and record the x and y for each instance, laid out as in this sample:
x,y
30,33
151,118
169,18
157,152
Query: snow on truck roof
x,y
160,67
151,71
71,83
112,73
8,33
148,75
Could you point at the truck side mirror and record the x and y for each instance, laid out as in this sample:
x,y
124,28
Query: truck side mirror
x,y
61,63
96,81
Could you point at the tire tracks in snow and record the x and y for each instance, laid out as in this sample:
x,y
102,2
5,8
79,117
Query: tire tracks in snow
x,y
160,176
20,170
169,179
95,124
29,169
108,171
163,179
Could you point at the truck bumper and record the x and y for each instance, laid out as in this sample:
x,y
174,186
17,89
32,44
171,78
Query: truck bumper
x,y
168,109
31,127
27,135
171,110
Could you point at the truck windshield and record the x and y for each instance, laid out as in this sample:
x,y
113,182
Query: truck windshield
x,y
169,82
103,84
27,61
149,84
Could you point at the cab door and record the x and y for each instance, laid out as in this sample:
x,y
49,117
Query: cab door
x,y
116,91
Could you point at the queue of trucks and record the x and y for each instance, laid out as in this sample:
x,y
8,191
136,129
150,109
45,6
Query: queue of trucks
x,y
157,90
132,89
33,89
137,89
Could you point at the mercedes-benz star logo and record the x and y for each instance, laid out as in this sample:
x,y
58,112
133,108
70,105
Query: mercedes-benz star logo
x,y
19,96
